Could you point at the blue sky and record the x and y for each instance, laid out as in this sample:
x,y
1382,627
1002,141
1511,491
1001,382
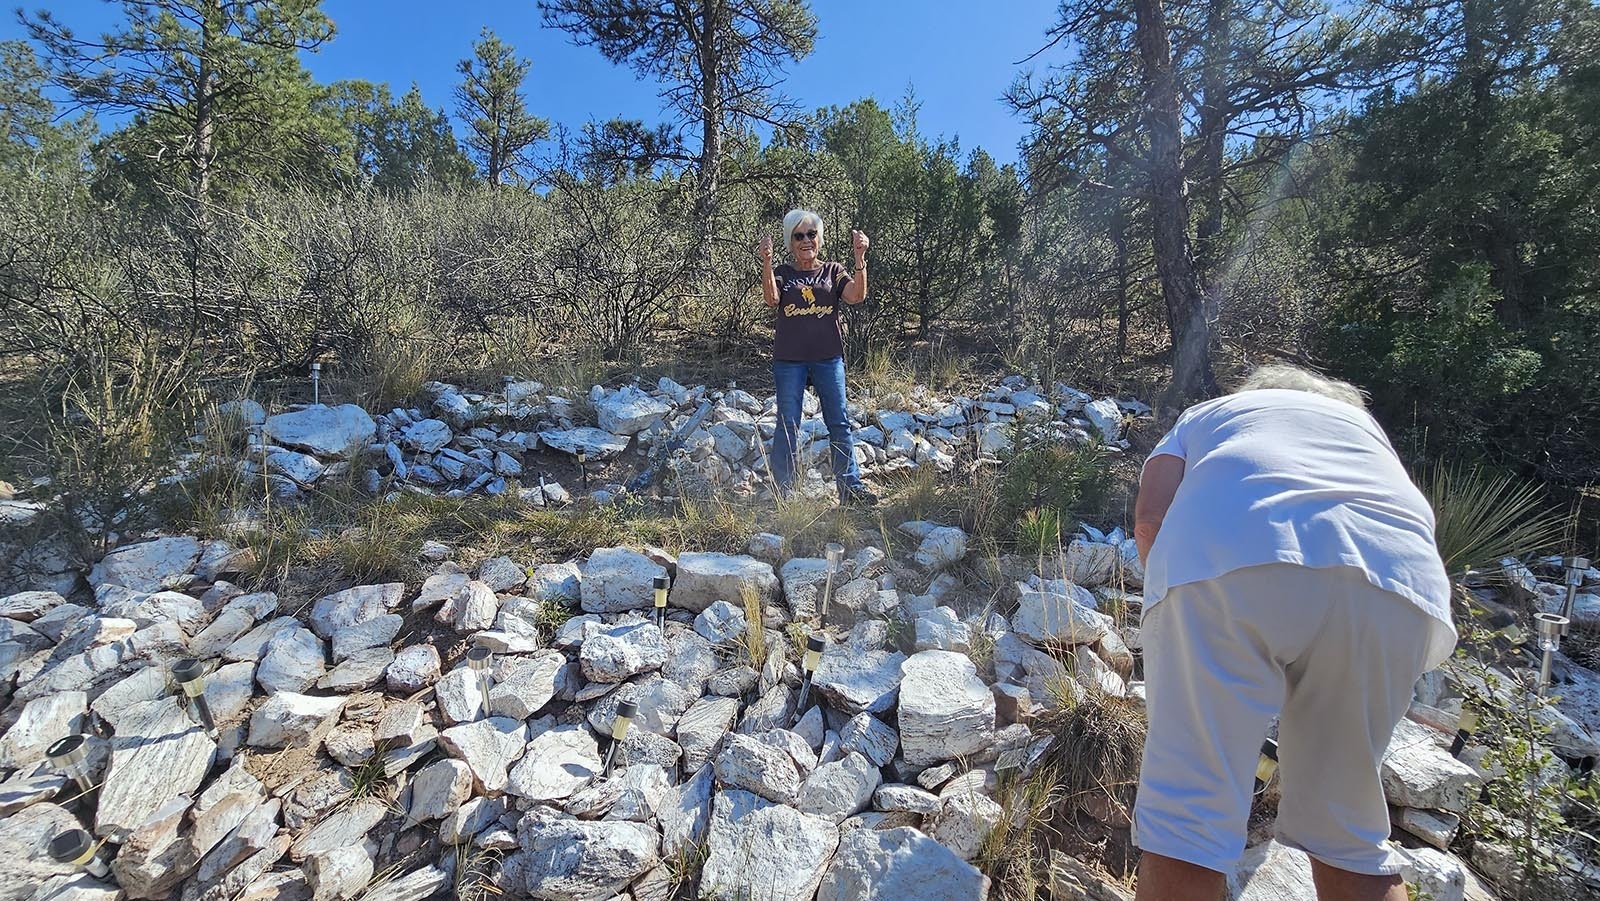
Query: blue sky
x,y
959,55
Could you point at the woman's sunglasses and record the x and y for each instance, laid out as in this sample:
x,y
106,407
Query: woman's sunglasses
x,y
800,236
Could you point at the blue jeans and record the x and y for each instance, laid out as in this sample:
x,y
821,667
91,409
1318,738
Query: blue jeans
x,y
827,376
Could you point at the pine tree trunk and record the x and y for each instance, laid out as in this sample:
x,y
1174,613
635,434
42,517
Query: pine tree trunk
x,y
1180,287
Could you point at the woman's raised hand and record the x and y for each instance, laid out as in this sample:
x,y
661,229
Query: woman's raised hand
x,y
764,249
859,243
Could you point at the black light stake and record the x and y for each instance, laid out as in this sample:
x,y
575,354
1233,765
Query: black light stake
x,y
1267,765
808,668
1466,724
479,660
190,674
619,731
1576,568
661,585
78,848
583,470
1550,628
69,756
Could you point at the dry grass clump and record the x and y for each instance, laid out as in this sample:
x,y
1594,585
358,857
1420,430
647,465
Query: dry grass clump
x,y
1097,749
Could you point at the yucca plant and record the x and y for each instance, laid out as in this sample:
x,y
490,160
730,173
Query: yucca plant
x,y
1484,516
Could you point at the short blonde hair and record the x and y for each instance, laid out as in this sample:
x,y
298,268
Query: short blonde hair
x,y
796,218
1293,378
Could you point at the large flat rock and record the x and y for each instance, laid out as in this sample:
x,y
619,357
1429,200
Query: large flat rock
x,y
706,578
156,754
618,579
326,431
149,566
765,852
897,864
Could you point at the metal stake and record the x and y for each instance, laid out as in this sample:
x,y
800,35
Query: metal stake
x,y
69,756
835,553
1550,628
190,674
661,585
479,660
583,470
78,848
1576,568
316,383
619,731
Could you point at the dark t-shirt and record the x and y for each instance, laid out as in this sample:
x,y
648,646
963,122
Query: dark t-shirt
x,y
808,312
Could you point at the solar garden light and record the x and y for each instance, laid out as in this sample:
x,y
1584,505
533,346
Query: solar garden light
x,y
190,674
835,552
69,756
316,382
619,731
1550,628
1577,567
479,660
1466,724
661,601
1267,766
78,848
808,668
583,470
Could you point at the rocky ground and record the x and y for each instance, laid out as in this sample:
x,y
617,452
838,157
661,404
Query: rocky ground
x,y
356,751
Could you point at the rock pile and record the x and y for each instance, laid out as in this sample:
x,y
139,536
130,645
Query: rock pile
x,y
459,443
405,752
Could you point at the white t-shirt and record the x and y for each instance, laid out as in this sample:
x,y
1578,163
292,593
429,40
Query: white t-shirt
x,y
1282,476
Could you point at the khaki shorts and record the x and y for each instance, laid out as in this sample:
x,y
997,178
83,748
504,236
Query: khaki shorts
x,y
1330,654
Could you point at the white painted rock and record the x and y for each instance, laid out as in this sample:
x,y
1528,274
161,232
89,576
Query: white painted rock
x,y
292,661
629,411
942,547
488,747
556,764
1059,613
755,766
859,681
287,719
414,668
793,848
706,578
149,566
577,860
839,789
426,436
619,579
597,444
354,606
1418,773
899,864
340,431
1105,416
622,651
945,709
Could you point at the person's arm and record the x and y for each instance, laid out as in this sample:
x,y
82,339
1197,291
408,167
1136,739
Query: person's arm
x,y
1157,487
855,290
769,282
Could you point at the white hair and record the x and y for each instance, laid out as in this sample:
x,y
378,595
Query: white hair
x,y
796,218
1293,378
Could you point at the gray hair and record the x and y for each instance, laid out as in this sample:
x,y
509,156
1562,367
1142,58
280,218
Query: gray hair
x,y
796,218
1293,378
